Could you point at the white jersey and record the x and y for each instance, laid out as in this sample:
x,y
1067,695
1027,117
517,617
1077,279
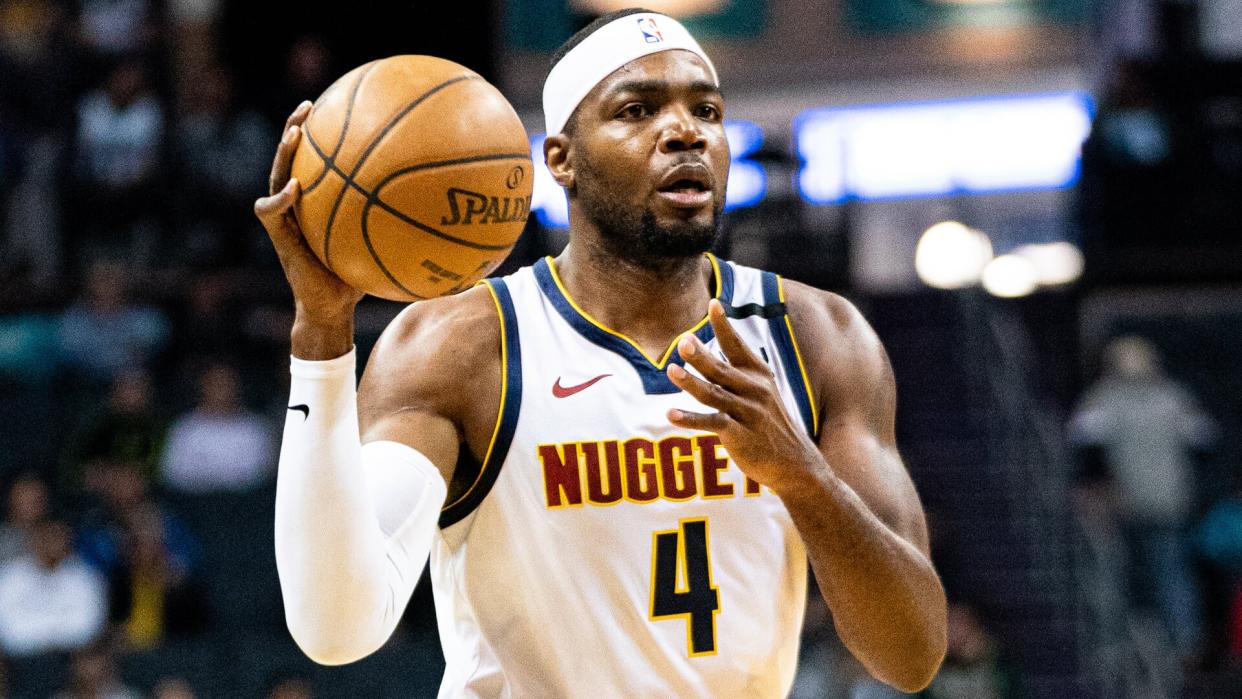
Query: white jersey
x,y
602,551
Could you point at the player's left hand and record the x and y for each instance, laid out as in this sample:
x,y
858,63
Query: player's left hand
x,y
752,421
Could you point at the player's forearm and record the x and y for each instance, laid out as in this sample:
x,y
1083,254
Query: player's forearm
x,y
887,602
345,572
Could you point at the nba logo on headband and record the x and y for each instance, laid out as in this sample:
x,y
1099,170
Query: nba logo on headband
x,y
603,51
651,32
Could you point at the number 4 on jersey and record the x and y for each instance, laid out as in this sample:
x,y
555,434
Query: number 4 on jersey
x,y
681,583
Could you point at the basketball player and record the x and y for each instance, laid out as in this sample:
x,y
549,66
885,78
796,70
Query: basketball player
x,y
621,459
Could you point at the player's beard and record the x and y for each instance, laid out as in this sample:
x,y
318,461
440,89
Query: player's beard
x,y
634,235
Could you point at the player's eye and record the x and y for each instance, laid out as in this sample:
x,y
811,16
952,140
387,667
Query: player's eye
x,y
708,111
634,110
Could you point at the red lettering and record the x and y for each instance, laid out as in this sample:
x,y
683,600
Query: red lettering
x,y
677,472
561,475
641,471
752,487
713,464
603,484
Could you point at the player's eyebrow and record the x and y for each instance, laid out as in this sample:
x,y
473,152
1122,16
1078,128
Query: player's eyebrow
x,y
656,86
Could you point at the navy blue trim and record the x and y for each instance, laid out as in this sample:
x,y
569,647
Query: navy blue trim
x,y
784,345
653,378
725,292
488,471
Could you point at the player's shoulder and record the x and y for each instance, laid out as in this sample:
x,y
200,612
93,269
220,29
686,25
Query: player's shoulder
x,y
440,334
841,348
824,316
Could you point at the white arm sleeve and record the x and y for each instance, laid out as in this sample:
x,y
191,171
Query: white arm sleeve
x,y
354,523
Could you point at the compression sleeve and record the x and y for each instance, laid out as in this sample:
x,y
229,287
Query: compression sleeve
x,y
354,522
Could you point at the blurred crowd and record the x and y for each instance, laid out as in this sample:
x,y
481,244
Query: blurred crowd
x,y
142,328
143,339
1171,542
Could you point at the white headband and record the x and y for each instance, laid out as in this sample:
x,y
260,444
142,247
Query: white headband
x,y
605,50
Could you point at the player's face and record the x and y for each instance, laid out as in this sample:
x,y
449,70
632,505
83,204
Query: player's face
x,y
650,157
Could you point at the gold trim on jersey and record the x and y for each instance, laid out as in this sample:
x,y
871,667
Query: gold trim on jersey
x,y
556,277
793,339
504,390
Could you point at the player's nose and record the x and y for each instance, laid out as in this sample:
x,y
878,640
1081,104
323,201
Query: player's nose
x,y
681,132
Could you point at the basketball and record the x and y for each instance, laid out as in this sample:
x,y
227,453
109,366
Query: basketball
x,y
416,177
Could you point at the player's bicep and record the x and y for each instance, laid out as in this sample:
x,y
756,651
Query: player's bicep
x,y
858,424
401,399
432,435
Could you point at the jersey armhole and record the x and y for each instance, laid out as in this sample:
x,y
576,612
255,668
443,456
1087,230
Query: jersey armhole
x,y
782,330
506,416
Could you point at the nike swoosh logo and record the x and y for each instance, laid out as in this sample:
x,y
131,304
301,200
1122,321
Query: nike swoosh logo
x,y
566,391
301,408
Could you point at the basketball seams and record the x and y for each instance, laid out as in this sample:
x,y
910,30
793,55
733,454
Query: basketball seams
x,y
329,161
373,197
366,153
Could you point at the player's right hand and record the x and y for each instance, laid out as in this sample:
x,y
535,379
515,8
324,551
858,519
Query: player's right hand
x,y
321,298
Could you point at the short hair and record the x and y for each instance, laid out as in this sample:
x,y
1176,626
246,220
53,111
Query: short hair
x,y
580,36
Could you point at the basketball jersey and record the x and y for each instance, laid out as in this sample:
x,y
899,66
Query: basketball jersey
x,y
603,551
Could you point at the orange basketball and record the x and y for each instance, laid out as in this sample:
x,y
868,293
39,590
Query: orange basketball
x,y
416,177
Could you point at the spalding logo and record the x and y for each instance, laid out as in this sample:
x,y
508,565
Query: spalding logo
x,y
465,206
515,177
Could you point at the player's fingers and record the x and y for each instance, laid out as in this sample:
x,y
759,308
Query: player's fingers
x,y
283,162
738,353
271,209
707,393
712,368
299,114
707,422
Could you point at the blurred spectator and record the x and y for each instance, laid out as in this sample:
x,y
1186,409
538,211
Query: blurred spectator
x,y
107,529
128,430
218,446
49,599
119,150
1146,427
152,591
27,506
972,666
211,317
1220,543
1220,534
222,152
290,687
117,27
93,675
308,72
104,332
35,40
36,108
172,688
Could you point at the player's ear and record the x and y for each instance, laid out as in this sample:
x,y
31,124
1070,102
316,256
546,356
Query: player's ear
x,y
557,153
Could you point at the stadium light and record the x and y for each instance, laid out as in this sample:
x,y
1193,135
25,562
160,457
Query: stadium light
x,y
1055,263
1010,276
950,255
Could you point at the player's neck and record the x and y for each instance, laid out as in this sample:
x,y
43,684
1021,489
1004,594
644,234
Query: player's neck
x,y
650,304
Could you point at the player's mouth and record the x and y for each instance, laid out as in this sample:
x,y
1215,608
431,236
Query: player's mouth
x,y
686,186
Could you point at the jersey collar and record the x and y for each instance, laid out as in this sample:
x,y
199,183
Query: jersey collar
x,y
650,371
